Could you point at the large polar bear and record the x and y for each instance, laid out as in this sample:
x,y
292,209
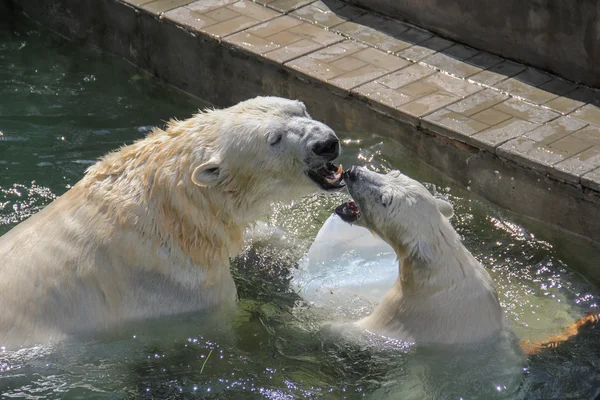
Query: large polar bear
x,y
150,228
443,295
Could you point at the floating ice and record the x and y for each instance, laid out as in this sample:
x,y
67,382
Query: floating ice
x,y
344,264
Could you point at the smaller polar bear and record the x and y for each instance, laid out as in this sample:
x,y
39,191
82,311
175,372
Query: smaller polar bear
x,y
443,295
150,228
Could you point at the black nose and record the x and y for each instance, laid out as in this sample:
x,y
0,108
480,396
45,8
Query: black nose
x,y
351,174
329,148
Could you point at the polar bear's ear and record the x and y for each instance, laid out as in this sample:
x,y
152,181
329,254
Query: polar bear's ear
x,y
445,208
207,174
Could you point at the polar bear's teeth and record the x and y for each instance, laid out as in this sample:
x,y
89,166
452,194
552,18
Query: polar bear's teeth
x,y
335,176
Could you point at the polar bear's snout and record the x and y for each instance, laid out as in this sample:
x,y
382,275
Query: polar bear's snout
x,y
322,147
328,149
367,188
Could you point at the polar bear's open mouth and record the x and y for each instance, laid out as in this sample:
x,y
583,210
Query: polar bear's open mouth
x,y
348,212
328,177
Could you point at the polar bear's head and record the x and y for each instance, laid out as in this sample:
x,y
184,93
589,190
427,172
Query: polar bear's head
x,y
397,208
261,150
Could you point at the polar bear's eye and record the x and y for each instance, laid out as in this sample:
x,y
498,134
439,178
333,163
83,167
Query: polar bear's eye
x,y
386,199
274,139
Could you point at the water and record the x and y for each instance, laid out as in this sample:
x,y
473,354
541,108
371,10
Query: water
x,y
61,108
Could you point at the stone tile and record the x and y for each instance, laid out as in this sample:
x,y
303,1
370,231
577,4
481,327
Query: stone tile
x,y
460,52
315,68
161,6
326,15
349,63
559,86
427,104
189,18
389,26
425,49
450,84
592,179
283,23
292,50
414,35
555,130
528,112
418,89
416,53
590,133
498,73
381,59
285,6
563,105
484,60
283,38
371,36
358,64
337,51
332,4
571,145
350,13
382,94
487,78
315,34
503,132
204,6
530,153
478,102
508,68
533,77
222,21
251,42
585,95
357,77
525,90
491,117
588,113
253,10
451,124
574,167
406,75
451,65
231,26
222,14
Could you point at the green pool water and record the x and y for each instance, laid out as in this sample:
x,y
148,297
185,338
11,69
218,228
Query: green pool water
x,y
62,107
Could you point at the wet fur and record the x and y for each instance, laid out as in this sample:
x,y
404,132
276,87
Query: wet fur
x,y
135,238
443,294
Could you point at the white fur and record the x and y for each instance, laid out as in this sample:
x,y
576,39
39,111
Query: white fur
x,y
150,228
443,294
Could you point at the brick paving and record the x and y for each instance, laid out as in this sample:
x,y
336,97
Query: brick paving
x,y
517,112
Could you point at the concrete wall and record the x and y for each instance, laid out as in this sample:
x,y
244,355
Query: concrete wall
x,y
561,36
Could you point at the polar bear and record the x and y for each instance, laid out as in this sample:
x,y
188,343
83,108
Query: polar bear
x,y
150,228
443,295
